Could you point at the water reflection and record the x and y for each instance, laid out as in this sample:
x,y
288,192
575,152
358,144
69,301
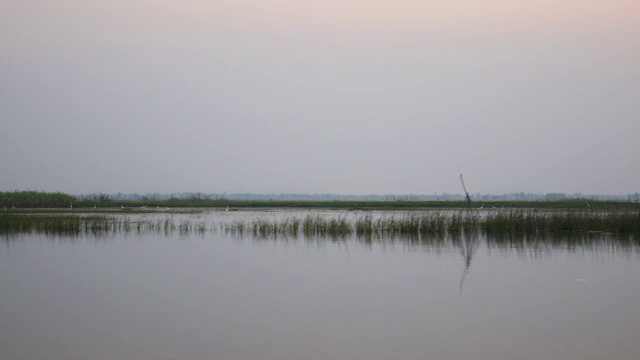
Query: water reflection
x,y
468,243
211,294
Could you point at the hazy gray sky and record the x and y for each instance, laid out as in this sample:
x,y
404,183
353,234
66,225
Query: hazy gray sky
x,y
349,97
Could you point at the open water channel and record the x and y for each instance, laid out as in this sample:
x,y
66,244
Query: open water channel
x,y
212,294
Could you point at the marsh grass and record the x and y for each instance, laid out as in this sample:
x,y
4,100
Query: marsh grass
x,y
310,226
35,199
412,223
68,224
392,224
451,223
551,222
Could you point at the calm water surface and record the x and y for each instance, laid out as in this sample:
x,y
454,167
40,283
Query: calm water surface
x,y
210,295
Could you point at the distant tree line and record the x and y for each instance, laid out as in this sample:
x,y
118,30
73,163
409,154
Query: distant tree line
x,y
518,196
35,199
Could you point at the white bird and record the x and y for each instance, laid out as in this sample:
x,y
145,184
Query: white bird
x,y
94,206
227,209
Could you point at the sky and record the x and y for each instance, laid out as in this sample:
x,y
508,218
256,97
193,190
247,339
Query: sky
x,y
296,96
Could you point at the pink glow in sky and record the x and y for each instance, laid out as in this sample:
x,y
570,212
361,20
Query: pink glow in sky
x,y
325,96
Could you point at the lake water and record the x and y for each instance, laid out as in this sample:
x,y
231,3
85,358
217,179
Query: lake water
x,y
213,295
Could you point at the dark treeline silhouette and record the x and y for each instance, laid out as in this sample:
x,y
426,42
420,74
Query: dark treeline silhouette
x,y
519,196
35,199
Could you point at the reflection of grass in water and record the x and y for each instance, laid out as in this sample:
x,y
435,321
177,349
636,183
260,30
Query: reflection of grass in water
x,y
406,224
66,224
533,233
53,224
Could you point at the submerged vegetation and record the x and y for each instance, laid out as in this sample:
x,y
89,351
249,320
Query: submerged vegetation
x,y
365,224
64,215
69,224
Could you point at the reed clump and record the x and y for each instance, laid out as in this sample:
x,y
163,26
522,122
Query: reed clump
x,y
410,224
266,228
550,222
317,226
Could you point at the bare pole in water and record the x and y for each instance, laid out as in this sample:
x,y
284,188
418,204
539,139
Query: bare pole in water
x,y
467,198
